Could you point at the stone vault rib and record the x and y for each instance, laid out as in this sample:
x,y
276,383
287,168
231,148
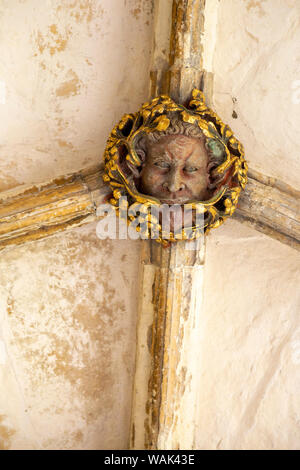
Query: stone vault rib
x,y
29,213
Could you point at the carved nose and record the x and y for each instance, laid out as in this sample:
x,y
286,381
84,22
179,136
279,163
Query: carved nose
x,y
174,182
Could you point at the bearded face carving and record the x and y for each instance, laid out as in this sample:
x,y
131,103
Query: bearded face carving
x,y
170,154
177,164
175,170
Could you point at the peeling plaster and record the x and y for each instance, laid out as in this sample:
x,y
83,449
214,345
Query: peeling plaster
x,y
70,87
60,89
68,304
256,5
249,382
67,313
6,434
261,73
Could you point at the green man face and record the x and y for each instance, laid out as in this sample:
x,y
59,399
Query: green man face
x,y
175,170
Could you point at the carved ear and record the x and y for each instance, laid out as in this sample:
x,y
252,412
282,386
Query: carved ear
x,y
216,149
136,171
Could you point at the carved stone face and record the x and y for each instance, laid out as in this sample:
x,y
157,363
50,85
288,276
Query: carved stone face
x,y
175,170
175,154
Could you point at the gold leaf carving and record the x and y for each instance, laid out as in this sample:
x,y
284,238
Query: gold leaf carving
x,y
155,116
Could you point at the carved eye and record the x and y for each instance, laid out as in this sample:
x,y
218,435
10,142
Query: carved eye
x,y
190,169
163,165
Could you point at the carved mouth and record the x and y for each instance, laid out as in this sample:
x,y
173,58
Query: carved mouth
x,y
173,202
173,199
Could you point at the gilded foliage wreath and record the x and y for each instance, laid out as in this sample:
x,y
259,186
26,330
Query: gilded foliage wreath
x,y
155,116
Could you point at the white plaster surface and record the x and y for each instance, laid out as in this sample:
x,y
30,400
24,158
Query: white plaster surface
x,y
250,348
257,72
250,343
67,316
68,304
69,69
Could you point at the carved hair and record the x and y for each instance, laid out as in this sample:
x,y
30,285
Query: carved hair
x,y
178,127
